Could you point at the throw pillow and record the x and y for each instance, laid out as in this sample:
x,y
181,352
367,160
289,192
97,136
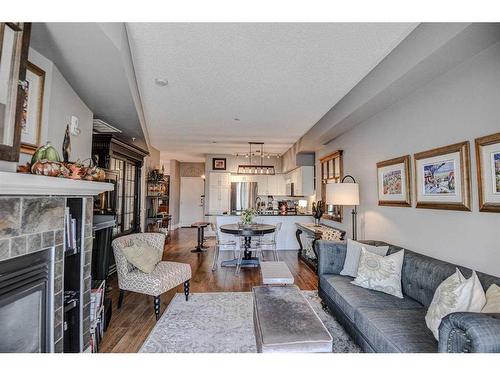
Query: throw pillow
x,y
353,253
382,273
455,294
492,300
141,255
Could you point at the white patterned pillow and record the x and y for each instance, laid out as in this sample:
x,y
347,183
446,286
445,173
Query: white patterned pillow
x,y
354,252
492,300
455,294
381,273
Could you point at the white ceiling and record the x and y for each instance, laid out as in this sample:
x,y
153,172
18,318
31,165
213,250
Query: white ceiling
x,y
279,79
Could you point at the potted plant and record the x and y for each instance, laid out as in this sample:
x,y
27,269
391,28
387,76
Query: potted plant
x,y
247,217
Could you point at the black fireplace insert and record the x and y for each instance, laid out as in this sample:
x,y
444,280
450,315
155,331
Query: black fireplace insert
x,y
26,303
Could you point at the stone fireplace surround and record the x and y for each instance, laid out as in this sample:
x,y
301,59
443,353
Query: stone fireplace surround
x,y
32,219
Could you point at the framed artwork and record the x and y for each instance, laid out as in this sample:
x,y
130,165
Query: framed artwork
x,y
31,117
14,45
488,172
393,180
219,164
442,178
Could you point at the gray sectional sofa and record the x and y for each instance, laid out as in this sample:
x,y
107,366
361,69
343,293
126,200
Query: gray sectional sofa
x,y
379,322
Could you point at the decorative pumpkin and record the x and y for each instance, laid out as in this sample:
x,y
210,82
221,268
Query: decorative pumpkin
x,y
49,168
46,152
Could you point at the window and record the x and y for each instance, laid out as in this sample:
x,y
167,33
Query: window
x,y
331,172
126,194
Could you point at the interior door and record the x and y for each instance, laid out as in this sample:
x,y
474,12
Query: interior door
x,y
191,200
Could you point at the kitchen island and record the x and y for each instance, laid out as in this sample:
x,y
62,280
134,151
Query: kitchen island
x,y
286,237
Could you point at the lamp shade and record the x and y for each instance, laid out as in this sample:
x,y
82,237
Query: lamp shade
x,y
343,194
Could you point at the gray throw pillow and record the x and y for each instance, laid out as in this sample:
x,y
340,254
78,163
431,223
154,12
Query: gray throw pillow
x,y
354,252
141,255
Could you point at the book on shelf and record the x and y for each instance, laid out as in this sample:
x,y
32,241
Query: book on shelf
x,y
69,230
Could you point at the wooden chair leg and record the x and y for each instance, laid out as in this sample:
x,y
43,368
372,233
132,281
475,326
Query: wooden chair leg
x,y
186,289
120,299
157,307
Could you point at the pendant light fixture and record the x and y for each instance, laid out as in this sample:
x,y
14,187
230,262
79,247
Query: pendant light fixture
x,y
256,169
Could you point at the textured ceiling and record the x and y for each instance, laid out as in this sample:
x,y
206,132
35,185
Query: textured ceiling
x,y
278,79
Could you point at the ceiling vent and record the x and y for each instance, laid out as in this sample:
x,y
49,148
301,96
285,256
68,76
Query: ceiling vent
x,y
100,126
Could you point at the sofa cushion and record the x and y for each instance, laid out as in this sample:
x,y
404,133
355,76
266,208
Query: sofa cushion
x,y
382,273
353,255
391,330
492,300
349,297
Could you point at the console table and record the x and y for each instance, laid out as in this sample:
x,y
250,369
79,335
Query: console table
x,y
314,233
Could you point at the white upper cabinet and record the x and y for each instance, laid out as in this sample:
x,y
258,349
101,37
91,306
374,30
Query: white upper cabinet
x,y
219,192
302,179
220,179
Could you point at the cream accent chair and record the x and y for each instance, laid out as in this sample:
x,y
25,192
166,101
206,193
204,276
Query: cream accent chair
x,y
166,275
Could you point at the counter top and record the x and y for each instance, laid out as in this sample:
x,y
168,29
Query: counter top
x,y
263,215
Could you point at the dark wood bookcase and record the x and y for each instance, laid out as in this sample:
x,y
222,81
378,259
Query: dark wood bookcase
x,y
114,154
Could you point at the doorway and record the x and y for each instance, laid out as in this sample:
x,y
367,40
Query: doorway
x,y
192,197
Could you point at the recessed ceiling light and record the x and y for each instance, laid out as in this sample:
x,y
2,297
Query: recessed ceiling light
x,y
214,142
162,82
236,119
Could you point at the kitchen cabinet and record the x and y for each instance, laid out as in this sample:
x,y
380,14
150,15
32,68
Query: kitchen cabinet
x,y
271,185
303,180
219,179
277,185
219,193
219,200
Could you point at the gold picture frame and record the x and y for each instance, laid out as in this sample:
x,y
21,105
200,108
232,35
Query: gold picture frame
x,y
488,172
394,182
31,120
442,178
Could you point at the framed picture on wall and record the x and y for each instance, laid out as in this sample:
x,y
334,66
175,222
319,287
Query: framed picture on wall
x,y
219,164
488,172
31,118
393,180
442,178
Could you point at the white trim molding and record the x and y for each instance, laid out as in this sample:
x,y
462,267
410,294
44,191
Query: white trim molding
x,y
29,184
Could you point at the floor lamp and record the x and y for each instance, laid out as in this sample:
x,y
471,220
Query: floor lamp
x,y
345,194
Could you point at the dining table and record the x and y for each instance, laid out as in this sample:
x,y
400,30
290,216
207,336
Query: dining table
x,y
246,232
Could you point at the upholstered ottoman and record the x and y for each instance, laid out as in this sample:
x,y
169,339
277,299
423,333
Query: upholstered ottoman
x,y
275,273
285,322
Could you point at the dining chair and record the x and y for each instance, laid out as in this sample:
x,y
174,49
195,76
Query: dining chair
x,y
219,242
270,241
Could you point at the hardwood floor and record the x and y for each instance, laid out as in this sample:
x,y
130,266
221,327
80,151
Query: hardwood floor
x,y
131,324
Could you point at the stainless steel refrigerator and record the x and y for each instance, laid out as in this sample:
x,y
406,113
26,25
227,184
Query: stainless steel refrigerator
x,y
243,195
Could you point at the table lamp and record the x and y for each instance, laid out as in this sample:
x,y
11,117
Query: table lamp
x,y
345,194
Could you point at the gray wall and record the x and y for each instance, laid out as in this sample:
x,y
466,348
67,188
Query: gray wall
x,y
459,105
175,192
60,102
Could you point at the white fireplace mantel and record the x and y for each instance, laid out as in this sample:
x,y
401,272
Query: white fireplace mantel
x,y
29,184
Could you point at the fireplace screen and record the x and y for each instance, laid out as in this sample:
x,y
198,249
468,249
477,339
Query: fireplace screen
x,y
24,304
